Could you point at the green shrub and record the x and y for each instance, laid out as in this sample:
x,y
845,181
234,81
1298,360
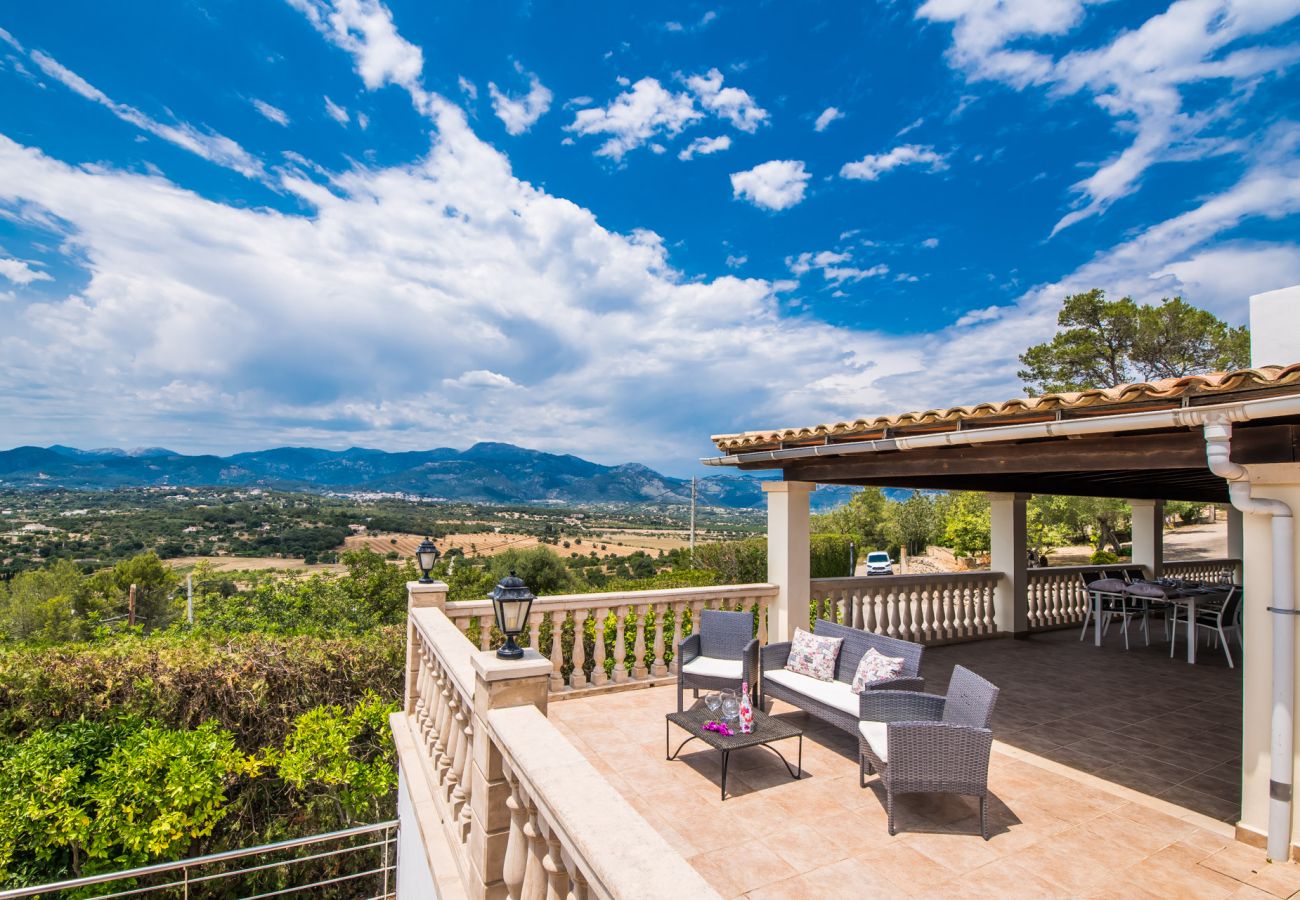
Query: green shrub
x,y
252,684
735,562
829,556
1103,558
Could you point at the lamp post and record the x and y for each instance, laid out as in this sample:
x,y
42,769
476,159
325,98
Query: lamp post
x,y
511,601
426,556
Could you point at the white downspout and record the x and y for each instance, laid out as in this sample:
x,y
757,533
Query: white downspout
x,y
1218,445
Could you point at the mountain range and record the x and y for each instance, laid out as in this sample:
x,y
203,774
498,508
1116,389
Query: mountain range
x,y
485,473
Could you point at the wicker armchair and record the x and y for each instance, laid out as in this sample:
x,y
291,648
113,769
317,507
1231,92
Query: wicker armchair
x,y
839,707
721,654
927,744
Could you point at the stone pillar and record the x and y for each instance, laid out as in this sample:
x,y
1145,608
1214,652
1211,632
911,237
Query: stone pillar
x,y
1236,545
1149,535
498,683
1009,556
418,596
1279,482
788,564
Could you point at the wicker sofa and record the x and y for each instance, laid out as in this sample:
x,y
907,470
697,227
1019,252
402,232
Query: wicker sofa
x,y
834,701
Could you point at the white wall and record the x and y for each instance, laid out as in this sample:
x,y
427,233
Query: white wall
x,y
1275,327
414,880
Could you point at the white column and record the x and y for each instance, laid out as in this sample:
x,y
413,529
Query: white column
x,y
1009,555
1279,481
787,555
1236,535
1149,535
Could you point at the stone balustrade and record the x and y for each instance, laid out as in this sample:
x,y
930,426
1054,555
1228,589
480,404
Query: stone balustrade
x,y
502,804
1212,570
942,608
1056,596
627,636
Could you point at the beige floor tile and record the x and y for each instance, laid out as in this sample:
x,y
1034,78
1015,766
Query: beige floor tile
x,y
739,868
1278,879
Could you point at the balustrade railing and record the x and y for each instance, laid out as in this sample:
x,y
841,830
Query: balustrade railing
x,y
1056,596
1212,570
927,609
503,803
626,636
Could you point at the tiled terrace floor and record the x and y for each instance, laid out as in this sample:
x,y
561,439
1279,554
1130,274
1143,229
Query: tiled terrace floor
x,y
1056,830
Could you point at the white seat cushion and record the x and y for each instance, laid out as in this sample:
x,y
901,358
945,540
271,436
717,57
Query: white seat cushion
x,y
832,693
709,667
876,734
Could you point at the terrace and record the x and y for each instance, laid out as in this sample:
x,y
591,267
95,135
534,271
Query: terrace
x,y
1113,771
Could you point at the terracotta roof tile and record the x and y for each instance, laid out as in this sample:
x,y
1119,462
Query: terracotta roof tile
x,y
1100,400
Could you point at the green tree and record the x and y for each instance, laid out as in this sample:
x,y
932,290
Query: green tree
x,y
541,569
156,603
966,517
40,605
1100,343
864,517
911,524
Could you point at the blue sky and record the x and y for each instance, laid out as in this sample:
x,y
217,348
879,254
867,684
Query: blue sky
x,y
605,229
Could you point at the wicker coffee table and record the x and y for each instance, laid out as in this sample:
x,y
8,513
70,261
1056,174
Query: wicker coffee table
x,y
766,730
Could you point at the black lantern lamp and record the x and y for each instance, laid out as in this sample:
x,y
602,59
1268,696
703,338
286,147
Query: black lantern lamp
x,y
426,556
511,601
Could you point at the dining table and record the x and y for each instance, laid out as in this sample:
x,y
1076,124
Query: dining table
x,y
1181,593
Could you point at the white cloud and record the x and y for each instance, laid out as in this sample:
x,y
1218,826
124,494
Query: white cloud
x,y
20,272
215,148
833,266
363,121
467,87
872,166
635,117
702,146
480,378
272,113
776,184
336,112
519,114
730,103
930,243
1217,50
975,316
911,126
735,262
365,29
266,327
827,116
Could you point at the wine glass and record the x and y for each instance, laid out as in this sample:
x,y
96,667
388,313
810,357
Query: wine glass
x,y
713,700
730,706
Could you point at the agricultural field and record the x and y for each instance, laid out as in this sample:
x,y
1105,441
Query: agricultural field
x,y
609,543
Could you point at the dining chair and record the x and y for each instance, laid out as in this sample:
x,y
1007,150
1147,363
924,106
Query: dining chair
x,y
1218,621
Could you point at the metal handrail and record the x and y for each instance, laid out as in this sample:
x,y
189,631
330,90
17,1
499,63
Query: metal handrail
x,y
186,864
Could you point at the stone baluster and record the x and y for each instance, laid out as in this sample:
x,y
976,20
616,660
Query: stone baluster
x,y
515,863
557,651
557,875
660,668
578,677
420,700
763,610
535,873
579,889
438,722
620,644
446,735
677,609
639,671
598,676
459,792
455,751
485,632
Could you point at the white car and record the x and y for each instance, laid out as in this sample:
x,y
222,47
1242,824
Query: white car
x,y
879,563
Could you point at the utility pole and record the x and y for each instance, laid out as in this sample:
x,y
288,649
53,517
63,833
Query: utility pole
x,y
692,520
189,598
130,608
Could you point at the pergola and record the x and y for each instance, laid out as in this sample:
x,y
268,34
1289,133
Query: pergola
x,y
1146,443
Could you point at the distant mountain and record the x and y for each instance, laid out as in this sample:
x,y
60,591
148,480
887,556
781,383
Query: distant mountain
x,y
486,472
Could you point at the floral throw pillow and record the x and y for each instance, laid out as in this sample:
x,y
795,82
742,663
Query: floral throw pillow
x,y
813,655
876,667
